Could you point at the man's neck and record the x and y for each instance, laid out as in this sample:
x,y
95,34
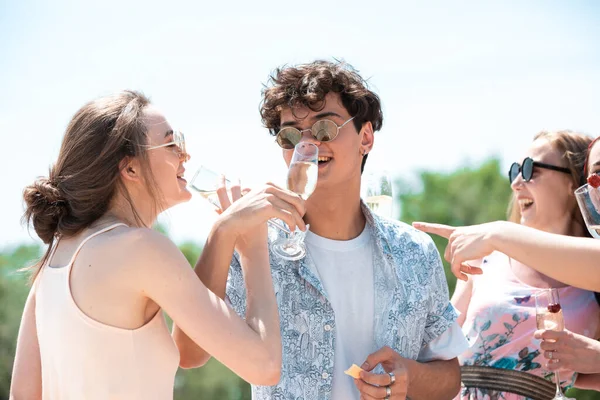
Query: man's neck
x,y
335,214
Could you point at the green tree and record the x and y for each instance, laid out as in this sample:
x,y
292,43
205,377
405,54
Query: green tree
x,y
14,288
467,196
470,195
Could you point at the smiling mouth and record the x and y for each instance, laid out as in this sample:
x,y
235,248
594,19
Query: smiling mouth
x,y
525,204
324,160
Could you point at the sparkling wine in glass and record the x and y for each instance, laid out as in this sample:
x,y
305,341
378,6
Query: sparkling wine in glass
x,y
549,316
301,179
376,188
205,182
588,198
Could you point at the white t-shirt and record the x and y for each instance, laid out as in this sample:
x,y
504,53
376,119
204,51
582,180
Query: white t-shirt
x,y
345,269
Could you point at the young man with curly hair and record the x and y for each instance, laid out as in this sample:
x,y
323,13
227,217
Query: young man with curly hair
x,y
370,291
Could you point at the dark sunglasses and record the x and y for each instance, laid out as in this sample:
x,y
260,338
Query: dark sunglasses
x,y
528,166
323,130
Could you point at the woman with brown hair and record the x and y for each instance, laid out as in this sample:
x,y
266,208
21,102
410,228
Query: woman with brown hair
x,y
93,325
497,308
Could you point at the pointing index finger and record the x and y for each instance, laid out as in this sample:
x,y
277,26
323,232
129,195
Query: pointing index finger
x,y
436,229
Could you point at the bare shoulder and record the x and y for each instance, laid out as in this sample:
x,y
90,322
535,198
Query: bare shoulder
x,y
136,248
145,238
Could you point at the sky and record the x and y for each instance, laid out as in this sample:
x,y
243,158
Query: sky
x,y
459,81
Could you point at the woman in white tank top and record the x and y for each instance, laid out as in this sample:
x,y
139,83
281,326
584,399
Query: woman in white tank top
x,y
92,327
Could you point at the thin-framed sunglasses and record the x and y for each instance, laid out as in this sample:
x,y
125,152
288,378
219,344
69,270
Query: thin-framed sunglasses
x,y
527,168
323,130
178,144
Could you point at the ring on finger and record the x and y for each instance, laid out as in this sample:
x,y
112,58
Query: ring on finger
x,y
550,354
392,378
388,393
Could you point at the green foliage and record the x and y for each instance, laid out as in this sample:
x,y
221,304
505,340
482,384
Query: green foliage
x,y
191,251
583,394
14,288
463,197
212,381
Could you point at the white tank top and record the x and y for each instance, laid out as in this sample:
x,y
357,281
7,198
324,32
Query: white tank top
x,y
85,359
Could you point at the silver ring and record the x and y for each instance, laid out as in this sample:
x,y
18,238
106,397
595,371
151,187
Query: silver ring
x,y
392,378
550,355
388,393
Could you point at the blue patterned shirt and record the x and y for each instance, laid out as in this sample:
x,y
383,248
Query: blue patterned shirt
x,y
411,307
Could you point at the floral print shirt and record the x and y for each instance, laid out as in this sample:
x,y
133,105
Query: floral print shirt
x,y
411,307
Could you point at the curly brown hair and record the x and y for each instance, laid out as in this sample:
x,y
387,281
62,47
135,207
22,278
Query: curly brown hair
x,y
306,85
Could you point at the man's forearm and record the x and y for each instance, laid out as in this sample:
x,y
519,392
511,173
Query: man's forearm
x,y
421,378
213,265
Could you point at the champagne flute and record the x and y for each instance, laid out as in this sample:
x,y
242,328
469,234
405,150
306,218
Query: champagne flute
x,y
376,188
588,198
206,181
549,316
301,179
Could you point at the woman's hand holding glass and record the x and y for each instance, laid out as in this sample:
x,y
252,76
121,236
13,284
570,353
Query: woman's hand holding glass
x,y
301,182
206,182
247,216
570,351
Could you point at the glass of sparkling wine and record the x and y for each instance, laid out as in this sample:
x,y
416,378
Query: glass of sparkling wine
x,y
588,198
206,181
376,188
301,179
549,316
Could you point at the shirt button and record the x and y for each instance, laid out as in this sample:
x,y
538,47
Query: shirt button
x,y
327,327
325,375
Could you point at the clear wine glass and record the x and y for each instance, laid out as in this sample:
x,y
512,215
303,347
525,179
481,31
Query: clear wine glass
x,y
205,182
376,188
549,316
588,198
301,179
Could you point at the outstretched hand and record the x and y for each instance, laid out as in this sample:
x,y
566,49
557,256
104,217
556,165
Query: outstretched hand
x,y
246,212
465,244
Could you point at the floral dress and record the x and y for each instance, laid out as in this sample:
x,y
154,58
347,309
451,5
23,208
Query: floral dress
x,y
500,323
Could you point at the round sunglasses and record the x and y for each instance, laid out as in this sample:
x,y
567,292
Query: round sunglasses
x,y
527,168
323,130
